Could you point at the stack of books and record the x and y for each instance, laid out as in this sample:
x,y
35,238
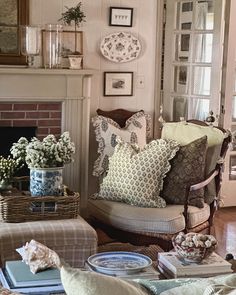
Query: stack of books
x,y
16,276
171,265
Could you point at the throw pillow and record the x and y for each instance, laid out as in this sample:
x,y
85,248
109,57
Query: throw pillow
x,y
137,130
184,133
187,168
78,282
135,175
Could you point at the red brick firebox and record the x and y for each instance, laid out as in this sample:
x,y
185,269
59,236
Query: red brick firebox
x,y
45,116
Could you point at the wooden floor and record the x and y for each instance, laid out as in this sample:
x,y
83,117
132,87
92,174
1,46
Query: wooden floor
x,y
225,230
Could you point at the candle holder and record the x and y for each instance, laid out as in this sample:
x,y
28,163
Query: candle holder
x,y
30,42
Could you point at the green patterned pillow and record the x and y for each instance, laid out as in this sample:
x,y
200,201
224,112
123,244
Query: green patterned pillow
x,y
187,168
135,175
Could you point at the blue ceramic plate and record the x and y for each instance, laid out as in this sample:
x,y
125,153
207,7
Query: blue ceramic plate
x,y
118,263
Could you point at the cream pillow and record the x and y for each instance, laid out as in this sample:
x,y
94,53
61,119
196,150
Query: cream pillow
x,y
135,175
78,282
136,130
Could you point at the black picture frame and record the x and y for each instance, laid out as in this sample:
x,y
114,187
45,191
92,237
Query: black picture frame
x,y
121,16
118,84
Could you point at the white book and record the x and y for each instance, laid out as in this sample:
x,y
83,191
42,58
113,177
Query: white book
x,y
177,265
170,275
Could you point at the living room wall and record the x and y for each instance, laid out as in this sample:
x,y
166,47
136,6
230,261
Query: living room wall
x,y
95,28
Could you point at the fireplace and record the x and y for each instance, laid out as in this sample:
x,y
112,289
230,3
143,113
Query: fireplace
x,y
53,101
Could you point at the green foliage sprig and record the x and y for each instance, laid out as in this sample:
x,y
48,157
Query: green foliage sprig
x,y
76,15
73,14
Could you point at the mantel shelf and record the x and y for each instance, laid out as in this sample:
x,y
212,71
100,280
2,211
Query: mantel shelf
x,y
42,71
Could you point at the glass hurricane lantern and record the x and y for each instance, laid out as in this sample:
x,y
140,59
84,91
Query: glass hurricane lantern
x,y
30,42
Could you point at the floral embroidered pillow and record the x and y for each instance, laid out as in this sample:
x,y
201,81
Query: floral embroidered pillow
x,y
137,130
135,176
187,168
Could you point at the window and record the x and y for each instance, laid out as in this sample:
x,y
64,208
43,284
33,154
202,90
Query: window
x,y
13,13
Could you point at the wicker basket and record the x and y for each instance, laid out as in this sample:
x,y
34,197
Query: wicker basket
x,y
20,207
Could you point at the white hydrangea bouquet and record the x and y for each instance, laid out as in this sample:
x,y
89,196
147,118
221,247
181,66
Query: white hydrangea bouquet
x,y
8,168
47,153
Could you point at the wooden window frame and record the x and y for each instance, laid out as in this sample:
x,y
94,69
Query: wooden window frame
x,y
23,19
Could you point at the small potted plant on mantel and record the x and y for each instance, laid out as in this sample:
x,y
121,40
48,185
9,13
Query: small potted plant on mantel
x,y
76,15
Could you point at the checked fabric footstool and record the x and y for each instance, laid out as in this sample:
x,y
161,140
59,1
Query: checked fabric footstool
x,y
74,240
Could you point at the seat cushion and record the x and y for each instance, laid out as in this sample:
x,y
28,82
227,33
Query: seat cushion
x,y
184,133
137,130
168,220
135,175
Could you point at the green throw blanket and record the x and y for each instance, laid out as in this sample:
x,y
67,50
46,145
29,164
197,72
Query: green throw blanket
x,y
222,285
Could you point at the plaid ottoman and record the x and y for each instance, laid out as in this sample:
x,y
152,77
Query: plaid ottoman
x,y
74,240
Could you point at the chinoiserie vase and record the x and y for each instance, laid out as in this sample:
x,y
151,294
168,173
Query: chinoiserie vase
x,y
46,181
5,184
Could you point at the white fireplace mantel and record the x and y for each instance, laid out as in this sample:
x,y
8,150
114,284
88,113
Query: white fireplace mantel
x,y
73,89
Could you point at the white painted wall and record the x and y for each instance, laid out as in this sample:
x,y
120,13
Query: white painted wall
x,y
95,28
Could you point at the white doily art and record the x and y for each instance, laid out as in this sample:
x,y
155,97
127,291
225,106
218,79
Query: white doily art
x,y
120,47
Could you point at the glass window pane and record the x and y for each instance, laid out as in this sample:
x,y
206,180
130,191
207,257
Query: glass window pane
x,y
235,82
182,47
181,79
200,108
8,15
233,130
203,47
232,167
204,15
184,15
202,80
234,109
180,108
8,40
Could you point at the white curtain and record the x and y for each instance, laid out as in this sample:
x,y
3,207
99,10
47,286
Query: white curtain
x,y
200,107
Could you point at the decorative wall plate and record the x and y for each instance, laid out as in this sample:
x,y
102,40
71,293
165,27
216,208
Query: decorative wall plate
x,y
120,47
119,262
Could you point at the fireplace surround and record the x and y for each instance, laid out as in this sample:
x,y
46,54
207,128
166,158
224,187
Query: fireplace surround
x,y
60,97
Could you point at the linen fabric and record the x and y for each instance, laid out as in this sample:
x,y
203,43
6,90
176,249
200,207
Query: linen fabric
x,y
151,221
78,282
137,130
184,133
135,175
221,285
187,168
74,240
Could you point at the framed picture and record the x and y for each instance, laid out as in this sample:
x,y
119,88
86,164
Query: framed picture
x,y
118,83
70,44
121,16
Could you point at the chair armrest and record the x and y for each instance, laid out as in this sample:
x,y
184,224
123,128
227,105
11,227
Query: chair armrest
x,y
205,182
194,187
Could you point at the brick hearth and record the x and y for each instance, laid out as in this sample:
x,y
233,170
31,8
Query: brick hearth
x,y
45,116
